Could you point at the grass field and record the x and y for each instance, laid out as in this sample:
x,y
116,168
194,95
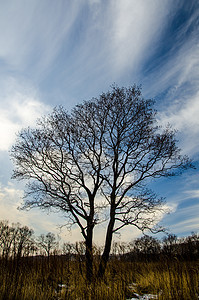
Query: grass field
x,y
42,278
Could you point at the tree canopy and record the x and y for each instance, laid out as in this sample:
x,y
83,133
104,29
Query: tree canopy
x,y
93,164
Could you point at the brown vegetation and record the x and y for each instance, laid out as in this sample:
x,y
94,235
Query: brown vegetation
x,y
167,268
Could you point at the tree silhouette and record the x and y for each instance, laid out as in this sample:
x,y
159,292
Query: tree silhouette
x,y
48,242
93,164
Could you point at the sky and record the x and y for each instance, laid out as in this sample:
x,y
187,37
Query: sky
x,y
63,52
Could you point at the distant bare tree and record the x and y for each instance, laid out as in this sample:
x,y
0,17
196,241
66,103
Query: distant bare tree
x,y
68,249
24,235
170,244
147,245
16,240
47,242
7,236
94,163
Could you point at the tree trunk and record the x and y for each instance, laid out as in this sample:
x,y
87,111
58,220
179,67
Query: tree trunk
x,y
107,247
89,253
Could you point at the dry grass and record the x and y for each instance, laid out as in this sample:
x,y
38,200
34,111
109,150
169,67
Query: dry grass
x,y
168,279
39,278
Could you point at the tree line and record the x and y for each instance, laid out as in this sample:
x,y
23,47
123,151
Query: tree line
x,y
18,241
149,248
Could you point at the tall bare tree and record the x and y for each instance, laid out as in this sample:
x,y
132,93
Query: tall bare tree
x,y
93,164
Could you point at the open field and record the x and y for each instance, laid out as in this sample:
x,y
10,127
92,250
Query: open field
x,y
42,278
41,268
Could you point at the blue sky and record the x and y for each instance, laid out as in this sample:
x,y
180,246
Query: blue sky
x,y
67,51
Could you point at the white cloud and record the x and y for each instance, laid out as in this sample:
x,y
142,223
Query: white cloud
x,y
11,198
9,201
20,107
7,132
192,193
183,115
135,29
40,222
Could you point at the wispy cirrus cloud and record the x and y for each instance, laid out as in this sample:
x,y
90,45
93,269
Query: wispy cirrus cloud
x,y
31,35
111,41
184,203
193,193
183,116
135,29
70,44
174,81
184,220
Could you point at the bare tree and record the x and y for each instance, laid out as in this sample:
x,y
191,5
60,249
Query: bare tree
x,y
7,235
24,240
93,164
170,244
15,240
147,245
47,242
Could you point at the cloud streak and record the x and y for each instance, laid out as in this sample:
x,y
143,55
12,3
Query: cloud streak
x,y
31,35
136,28
173,79
112,42
184,220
